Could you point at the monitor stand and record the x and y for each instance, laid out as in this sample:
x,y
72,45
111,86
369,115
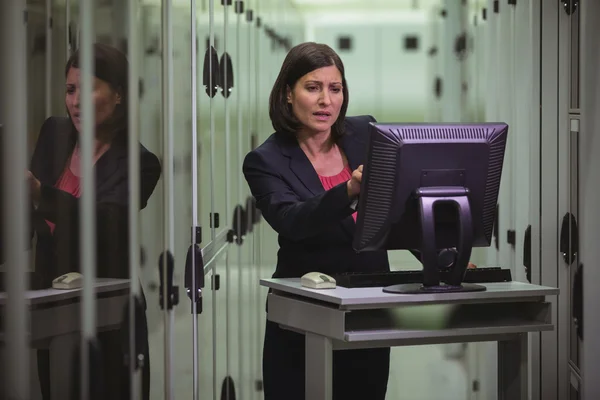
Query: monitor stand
x,y
427,198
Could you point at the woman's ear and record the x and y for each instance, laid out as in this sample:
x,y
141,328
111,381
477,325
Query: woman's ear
x,y
288,94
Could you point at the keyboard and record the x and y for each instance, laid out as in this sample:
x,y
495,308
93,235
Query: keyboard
x,y
382,279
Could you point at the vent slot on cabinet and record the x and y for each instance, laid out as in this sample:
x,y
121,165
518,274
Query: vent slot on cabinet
x,y
345,43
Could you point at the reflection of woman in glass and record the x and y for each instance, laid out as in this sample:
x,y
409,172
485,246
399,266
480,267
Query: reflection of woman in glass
x,y
305,178
55,186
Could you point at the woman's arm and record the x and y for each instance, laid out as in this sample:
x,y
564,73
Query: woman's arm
x,y
282,208
54,204
112,222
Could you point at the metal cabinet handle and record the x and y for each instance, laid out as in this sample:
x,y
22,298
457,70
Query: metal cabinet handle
x,y
239,227
226,71
211,68
527,253
570,6
569,238
194,285
228,389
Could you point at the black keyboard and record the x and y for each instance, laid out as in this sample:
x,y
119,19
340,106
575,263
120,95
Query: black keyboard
x,y
382,279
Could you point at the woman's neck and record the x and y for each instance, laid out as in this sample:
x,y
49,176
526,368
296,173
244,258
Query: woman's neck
x,y
100,147
315,144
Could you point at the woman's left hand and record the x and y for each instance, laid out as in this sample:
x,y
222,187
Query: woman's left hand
x,y
35,187
471,266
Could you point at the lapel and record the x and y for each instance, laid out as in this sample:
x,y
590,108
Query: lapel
x,y
110,163
353,148
61,149
301,166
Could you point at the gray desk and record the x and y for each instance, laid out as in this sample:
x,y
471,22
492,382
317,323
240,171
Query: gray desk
x,y
342,318
55,323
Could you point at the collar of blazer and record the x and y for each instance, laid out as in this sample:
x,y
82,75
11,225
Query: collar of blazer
x,y
300,164
62,147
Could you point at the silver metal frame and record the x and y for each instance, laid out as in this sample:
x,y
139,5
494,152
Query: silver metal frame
x,y
564,197
134,186
452,98
194,75
240,137
49,57
491,102
548,230
67,25
13,80
366,317
228,207
54,320
257,344
168,178
590,194
88,190
252,325
534,181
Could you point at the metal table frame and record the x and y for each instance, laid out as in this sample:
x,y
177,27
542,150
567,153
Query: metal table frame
x,y
343,318
54,321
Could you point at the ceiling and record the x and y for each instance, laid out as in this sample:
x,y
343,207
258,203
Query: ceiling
x,y
366,4
377,5
303,5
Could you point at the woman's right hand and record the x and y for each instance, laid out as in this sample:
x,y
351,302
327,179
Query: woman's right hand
x,y
354,182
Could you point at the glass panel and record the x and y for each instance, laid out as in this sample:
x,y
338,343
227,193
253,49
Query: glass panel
x,y
575,69
205,191
151,218
574,387
575,342
208,101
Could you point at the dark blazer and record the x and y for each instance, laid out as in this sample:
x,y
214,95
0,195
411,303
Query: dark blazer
x,y
315,226
59,253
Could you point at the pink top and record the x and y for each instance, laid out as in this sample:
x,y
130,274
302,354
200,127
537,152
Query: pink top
x,y
330,181
69,183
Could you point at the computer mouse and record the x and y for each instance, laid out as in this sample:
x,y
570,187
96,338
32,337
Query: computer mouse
x,y
317,280
71,280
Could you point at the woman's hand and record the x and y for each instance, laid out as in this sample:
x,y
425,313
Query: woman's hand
x,y
35,187
354,182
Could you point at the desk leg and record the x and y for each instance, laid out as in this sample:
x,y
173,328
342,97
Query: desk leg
x,y
319,365
62,350
512,369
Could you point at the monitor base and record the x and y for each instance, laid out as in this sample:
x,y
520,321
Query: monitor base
x,y
418,288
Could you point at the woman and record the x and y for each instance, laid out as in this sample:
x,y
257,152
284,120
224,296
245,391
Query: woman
x,y
55,186
305,178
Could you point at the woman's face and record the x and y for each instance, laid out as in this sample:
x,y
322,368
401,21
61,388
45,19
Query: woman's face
x,y
317,98
104,97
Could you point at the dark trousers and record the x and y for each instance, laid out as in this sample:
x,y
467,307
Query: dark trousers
x,y
357,374
113,374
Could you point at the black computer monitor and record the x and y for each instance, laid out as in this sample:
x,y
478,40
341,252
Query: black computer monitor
x,y
428,187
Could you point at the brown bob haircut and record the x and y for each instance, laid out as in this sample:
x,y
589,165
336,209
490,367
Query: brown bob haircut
x,y
302,59
112,67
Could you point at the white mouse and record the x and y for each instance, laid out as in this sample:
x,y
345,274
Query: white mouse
x,y
317,280
71,280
